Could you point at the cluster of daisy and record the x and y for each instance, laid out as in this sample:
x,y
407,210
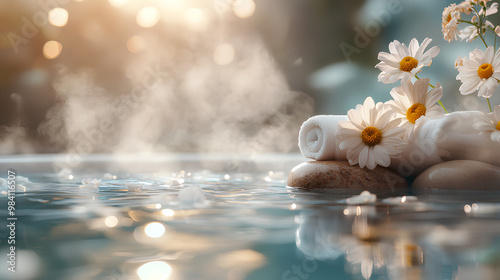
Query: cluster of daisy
x,y
476,26
375,133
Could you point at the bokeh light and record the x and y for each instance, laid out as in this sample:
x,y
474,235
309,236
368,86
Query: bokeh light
x,y
244,8
168,212
195,19
148,17
58,17
28,265
224,54
154,230
52,49
156,270
136,44
111,221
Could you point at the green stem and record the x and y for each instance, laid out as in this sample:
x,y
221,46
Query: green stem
x,y
439,102
495,45
489,105
481,36
479,25
466,21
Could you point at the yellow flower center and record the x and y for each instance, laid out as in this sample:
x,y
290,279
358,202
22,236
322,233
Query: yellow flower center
x,y
415,111
498,126
485,71
408,63
448,18
371,136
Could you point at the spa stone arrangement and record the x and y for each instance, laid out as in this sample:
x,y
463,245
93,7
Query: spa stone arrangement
x,y
412,139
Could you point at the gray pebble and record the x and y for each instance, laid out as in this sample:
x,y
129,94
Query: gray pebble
x,y
459,175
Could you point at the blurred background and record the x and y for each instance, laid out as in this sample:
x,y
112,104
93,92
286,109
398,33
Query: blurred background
x,y
224,76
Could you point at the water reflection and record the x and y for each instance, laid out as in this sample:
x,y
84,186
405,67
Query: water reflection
x,y
111,221
387,240
250,227
154,230
156,270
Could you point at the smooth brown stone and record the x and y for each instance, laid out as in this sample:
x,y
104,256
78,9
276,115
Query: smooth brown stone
x,y
459,175
342,175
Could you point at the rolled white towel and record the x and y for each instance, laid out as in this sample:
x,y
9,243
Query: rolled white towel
x,y
317,139
451,137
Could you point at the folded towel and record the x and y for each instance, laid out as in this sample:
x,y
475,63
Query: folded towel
x,y
451,137
317,138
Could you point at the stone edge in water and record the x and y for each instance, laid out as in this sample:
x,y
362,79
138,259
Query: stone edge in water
x,y
342,175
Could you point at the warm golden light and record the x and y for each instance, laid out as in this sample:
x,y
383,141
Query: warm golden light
x,y
58,17
195,19
156,270
224,54
241,260
244,8
136,44
111,221
118,3
148,17
154,230
52,49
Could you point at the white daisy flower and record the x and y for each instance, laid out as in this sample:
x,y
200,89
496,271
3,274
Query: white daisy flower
x,y
412,104
465,7
404,62
480,2
493,9
371,136
497,30
470,33
490,124
459,62
480,72
450,20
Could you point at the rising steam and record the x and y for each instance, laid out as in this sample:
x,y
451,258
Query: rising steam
x,y
181,102
186,80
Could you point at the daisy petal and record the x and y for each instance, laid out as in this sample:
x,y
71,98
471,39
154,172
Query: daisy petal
x,y
363,157
382,157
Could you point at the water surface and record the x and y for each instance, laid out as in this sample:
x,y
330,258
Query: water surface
x,y
191,217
